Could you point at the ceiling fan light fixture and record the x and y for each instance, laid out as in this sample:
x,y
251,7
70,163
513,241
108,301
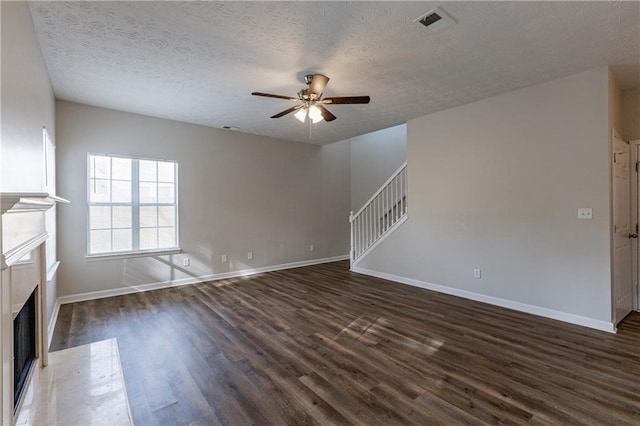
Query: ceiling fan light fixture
x,y
315,114
301,115
311,103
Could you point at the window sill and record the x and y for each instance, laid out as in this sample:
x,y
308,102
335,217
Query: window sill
x,y
132,254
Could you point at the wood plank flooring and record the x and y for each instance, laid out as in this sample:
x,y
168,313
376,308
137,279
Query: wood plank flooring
x,y
322,345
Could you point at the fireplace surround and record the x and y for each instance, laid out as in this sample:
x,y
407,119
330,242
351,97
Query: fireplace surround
x,y
23,282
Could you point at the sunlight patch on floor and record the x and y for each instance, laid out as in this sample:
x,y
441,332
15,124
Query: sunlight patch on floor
x,y
382,329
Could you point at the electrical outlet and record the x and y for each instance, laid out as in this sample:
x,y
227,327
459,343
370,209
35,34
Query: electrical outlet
x,y
585,213
312,247
186,262
477,274
249,255
224,258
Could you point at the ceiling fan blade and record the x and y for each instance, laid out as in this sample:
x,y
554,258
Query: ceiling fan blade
x,y
287,111
347,100
269,95
318,84
325,113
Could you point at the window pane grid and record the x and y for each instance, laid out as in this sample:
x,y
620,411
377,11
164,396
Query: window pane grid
x,y
132,204
106,229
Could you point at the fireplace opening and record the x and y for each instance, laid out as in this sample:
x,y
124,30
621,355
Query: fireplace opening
x,y
24,346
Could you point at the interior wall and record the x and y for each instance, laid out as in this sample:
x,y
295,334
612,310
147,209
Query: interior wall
x,y
237,193
615,106
497,184
374,157
27,102
631,114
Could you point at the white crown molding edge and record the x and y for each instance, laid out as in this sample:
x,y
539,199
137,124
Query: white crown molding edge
x,y
509,304
28,201
15,254
20,202
80,297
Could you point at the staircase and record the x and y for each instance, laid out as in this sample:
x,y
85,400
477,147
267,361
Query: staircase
x,y
385,211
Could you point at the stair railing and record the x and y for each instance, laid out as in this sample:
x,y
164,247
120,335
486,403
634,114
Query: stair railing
x,y
380,215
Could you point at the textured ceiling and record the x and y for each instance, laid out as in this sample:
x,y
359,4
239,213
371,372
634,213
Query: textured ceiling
x,y
199,62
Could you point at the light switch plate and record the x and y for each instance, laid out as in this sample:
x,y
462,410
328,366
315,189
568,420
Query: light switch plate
x,y
585,213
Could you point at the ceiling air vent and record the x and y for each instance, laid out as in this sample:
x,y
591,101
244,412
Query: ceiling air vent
x,y
436,20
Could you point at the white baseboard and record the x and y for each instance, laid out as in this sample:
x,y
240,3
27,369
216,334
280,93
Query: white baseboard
x,y
518,306
52,322
194,280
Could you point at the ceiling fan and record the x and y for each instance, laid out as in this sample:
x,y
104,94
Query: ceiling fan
x,y
312,102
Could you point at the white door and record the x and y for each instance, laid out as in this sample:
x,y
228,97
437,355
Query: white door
x,y
622,282
635,214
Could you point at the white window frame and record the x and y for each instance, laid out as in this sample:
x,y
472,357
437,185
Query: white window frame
x,y
135,211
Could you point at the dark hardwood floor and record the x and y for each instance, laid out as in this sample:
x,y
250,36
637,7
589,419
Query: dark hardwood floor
x,y
322,345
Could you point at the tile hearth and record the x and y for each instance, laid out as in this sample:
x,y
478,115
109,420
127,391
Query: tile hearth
x,y
81,386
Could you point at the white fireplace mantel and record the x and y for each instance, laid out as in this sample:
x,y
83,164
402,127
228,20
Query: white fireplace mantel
x,y
21,235
13,202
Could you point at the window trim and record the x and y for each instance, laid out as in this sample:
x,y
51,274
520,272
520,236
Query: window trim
x,y
135,208
131,254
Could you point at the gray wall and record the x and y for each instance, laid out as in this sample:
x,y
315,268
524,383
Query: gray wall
x,y
631,114
615,106
496,185
374,157
28,104
237,193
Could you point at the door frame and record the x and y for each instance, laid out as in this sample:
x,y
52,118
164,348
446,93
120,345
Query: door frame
x,y
635,218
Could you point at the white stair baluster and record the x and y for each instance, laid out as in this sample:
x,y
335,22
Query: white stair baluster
x,y
380,215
